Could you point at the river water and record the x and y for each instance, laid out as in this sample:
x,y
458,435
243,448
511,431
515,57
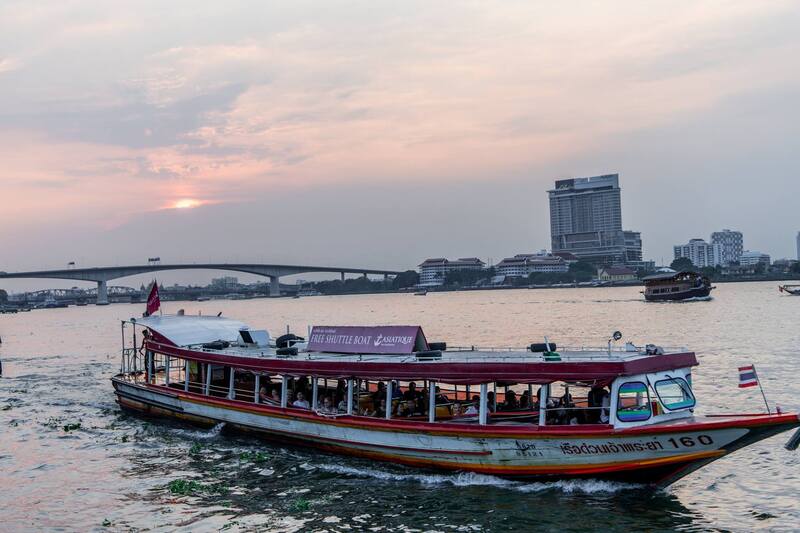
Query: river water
x,y
114,470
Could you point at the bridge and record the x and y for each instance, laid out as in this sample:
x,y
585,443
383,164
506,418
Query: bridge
x,y
102,275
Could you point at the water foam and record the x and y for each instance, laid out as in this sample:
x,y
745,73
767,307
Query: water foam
x,y
465,479
199,433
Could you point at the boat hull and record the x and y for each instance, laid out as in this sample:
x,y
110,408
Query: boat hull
x,y
660,455
696,292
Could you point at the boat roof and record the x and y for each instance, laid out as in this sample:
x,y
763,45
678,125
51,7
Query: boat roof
x,y
453,366
192,330
669,275
184,337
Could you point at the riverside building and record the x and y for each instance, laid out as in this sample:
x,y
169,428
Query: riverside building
x,y
700,253
753,259
523,265
432,272
731,245
586,220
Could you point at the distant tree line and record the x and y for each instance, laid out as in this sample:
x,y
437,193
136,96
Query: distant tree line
x,y
3,296
362,284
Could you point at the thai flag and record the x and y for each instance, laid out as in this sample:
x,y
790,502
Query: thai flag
x,y
747,376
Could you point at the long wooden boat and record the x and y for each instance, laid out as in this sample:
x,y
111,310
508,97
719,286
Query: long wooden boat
x,y
624,414
793,289
676,286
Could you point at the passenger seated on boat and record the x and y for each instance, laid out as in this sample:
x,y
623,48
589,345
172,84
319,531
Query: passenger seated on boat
x,y
276,395
379,394
566,413
262,395
380,412
411,393
440,398
301,402
511,403
397,394
327,406
525,400
455,409
408,408
491,404
597,395
472,408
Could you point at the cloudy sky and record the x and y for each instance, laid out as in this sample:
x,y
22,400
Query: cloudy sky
x,y
380,133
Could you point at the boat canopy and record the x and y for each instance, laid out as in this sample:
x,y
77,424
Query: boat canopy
x,y
666,276
192,330
452,368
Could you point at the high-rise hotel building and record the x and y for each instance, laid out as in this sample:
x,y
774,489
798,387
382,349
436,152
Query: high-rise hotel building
x,y
586,220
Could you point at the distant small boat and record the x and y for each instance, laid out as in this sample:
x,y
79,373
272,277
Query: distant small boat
x,y
422,292
674,286
794,290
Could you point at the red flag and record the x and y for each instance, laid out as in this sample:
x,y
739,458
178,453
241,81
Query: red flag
x,y
153,301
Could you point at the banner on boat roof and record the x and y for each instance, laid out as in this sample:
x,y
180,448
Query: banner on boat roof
x,y
367,339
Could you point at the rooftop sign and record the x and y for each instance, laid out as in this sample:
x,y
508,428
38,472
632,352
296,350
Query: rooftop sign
x,y
367,339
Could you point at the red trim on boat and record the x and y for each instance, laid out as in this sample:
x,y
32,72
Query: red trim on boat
x,y
473,430
457,373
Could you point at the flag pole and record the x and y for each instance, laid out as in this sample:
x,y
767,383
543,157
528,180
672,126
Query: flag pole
x,y
761,389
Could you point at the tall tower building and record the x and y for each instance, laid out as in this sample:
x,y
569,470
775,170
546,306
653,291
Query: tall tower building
x,y
798,245
731,245
586,220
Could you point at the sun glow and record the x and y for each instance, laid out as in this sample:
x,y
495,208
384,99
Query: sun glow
x,y
186,203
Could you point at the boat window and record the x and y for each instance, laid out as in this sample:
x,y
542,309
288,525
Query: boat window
x,y
674,393
633,402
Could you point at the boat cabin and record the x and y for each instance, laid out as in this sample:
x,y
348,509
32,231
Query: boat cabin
x,y
409,382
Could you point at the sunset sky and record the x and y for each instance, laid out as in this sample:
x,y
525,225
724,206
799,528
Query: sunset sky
x,y
380,133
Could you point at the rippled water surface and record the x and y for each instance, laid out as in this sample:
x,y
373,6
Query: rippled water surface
x,y
114,470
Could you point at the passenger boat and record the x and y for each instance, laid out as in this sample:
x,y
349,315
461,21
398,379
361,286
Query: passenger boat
x,y
794,290
621,413
673,286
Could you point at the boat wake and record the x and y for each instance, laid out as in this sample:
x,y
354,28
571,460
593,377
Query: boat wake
x,y
199,433
465,479
687,300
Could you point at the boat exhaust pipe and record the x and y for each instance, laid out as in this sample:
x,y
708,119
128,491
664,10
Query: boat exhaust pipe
x,y
794,442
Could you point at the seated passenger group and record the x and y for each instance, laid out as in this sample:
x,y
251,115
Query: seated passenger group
x,y
414,402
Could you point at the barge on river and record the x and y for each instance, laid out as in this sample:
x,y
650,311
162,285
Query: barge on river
x,y
676,286
615,413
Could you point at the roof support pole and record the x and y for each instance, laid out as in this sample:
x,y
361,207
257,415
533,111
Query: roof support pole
x,y
482,412
389,384
257,397
431,401
350,396
186,375
284,391
166,370
231,391
208,379
314,394
545,389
